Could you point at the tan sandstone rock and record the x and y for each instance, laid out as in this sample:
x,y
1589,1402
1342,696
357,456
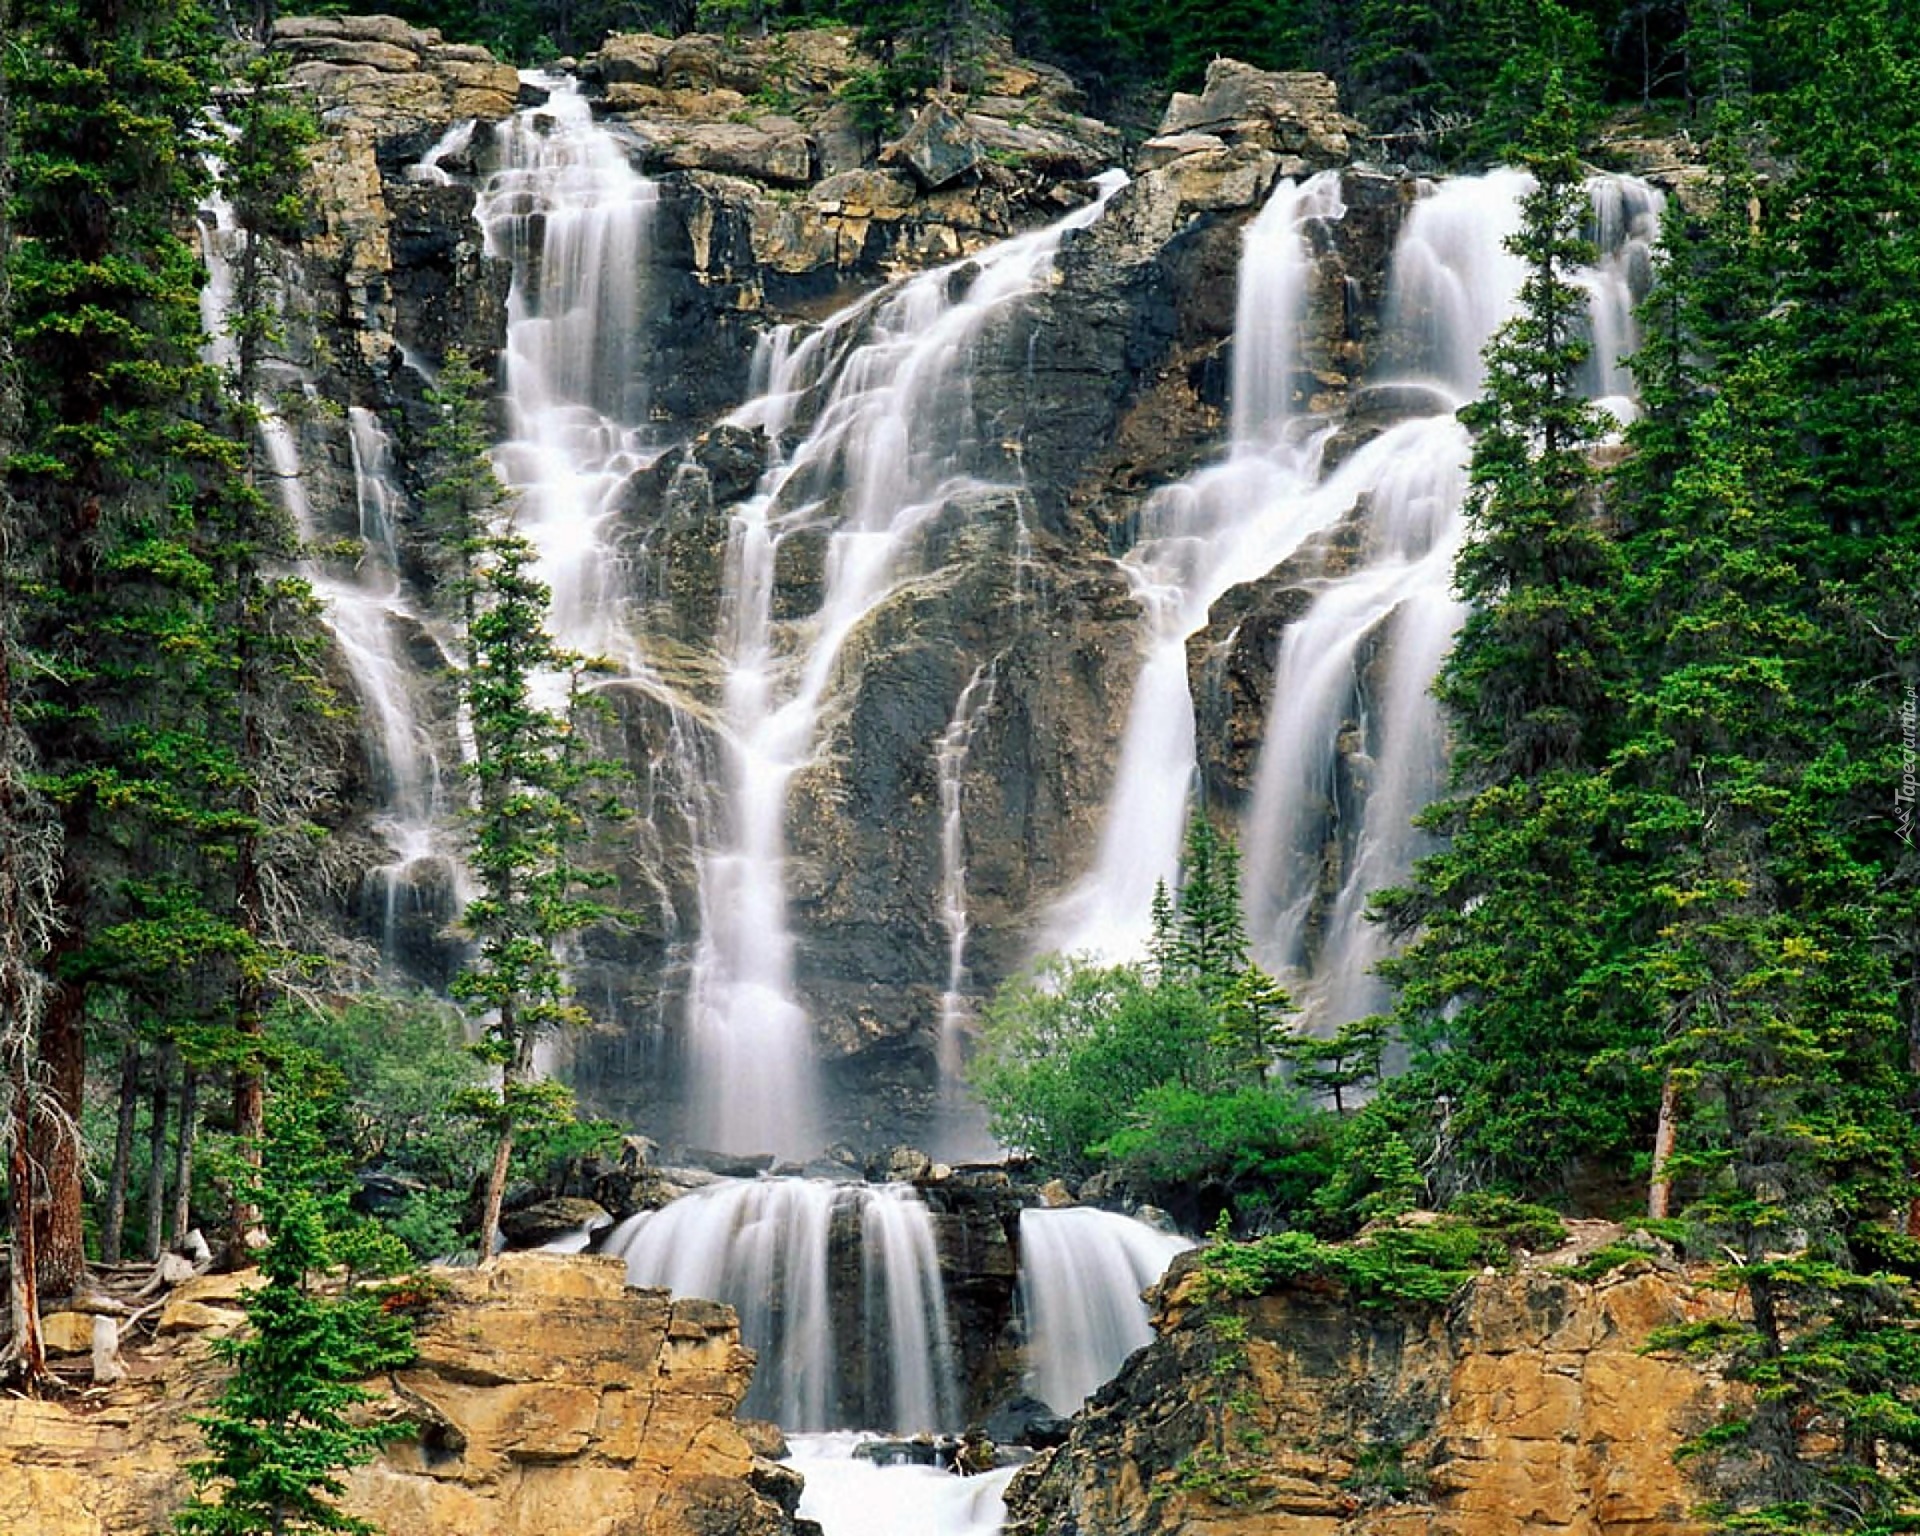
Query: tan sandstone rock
x,y
549,1397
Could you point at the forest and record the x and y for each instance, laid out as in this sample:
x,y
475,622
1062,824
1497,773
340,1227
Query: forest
x,y
1665,963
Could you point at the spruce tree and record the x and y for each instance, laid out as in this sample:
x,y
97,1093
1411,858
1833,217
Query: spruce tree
x,y
1527,1028
534,779
287,1423
110,441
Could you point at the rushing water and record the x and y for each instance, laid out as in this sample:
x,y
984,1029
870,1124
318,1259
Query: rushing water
x,y
876,1354
1081,1275
1353,744
566,208
851,1496
891,439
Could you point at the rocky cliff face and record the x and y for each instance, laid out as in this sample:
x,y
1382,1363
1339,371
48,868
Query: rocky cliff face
x,y
548,1396
775,205
1528,1404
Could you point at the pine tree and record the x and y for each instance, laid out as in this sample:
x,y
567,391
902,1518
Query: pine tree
x,y
286,1426
534,779
105,328
265,637
1518,998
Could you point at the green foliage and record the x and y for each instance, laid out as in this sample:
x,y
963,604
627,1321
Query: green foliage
x,y
1605,1259
1160,1071
285,1426
538,789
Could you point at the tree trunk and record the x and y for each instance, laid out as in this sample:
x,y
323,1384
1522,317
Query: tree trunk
x,y
29,1352
496,1194
63,1054
183,1153
157,1152
113,1220
1660,1189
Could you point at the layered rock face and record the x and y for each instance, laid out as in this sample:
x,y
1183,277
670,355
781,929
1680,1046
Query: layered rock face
x,y
1528,1404
548,1396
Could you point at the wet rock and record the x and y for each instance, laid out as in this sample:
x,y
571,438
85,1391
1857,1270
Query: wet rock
x,y
1054,1194
542,1222
726,1164
1025,1420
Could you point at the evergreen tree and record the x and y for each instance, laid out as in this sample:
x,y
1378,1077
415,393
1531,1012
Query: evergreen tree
x,y
265,663
533,777
28,856
1518,999
105,331
285,1426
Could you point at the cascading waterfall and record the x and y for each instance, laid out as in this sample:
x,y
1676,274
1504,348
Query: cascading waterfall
x,y
1228,524
950,763
892,439
367,612
364,610
1081,1275
765,1247
566,208
1353,745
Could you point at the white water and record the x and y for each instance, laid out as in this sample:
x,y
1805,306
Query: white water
x,y
901,1281
892,439
366,610
1081,1275
1353,743
950,766
850,1496
763,1247
570,213
1228,524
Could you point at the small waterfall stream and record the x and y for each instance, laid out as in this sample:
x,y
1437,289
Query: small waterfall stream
x,y
1081,1274
365,607
958,1119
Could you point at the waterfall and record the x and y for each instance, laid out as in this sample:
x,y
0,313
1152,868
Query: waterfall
x,y
566,208
767,1248
1081,1275
365,609
900,1275
1353,741
850,1496
950,764
892,438
1228,524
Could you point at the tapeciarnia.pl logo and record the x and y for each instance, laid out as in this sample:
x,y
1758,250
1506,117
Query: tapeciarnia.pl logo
x,y
1903,794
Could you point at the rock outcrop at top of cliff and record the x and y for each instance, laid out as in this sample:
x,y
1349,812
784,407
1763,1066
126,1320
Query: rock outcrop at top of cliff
x,y
1527,1404
549,1397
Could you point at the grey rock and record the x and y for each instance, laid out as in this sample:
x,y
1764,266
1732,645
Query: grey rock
x,y
939,148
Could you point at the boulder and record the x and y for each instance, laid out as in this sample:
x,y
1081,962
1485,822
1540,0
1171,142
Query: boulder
x,y
779,157
1025,1420
546,1220
1295,113
67,1333
939,148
